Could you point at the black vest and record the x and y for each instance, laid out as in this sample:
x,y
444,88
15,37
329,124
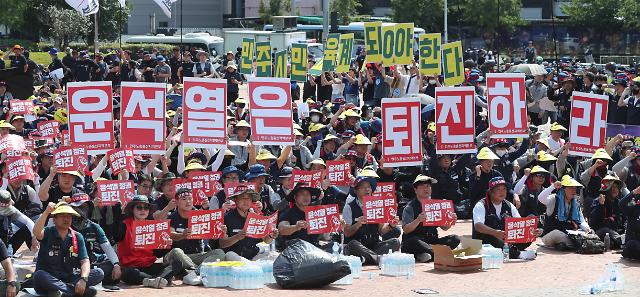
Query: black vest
x,y
553,223
633,180
368,234
428,234
530,204
491,219
267,208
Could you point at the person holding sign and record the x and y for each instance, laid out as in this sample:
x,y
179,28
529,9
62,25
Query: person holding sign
x,y
65,186
238,246
188,251
417,238
139,266
62,254
489,216
364,239
12,217
166,202
230,174
563,213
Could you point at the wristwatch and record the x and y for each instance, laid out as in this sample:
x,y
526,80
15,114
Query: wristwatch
x,y
85,279
12,284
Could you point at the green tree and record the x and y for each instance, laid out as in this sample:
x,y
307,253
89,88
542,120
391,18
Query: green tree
x,y
345,9
426,14
630,14
66,25
488,17
598,16
111,20
274,7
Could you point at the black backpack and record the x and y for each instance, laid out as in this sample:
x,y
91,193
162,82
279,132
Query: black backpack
x,y
587,243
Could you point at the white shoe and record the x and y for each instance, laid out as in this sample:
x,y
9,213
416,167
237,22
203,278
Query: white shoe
x,y
528,255
157,282
192,279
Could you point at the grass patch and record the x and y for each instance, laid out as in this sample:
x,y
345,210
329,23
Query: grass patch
x,y
42,58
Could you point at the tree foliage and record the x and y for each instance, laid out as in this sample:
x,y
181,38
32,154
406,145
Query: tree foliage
x,y
65,25
345,9
488,16
110,19
598,15
630,14
426,14
269,8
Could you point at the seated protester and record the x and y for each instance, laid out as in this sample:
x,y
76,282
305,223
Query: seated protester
x,y
63,263
628,169
563,213
145,185
483,173
10,216
285,186
593,171
269,201
363,240
65,186
489,216
292,223
606,217
166,202
139,266
528,187
101,253
230,174
8,286
630,207
26,201
271,164
301,152
5,128
18,123
236,244
360,145
507,160
326,148
346,119
188,251
241,131
445,172
416,238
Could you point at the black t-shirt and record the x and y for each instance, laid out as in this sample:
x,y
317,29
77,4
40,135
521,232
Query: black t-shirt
x,y
308,91
148,76
293,215
55,64
324,92
102,71
235,223
18,62
162,202
231,87
188,246
84,69
187,69
174,63
56,194
69,61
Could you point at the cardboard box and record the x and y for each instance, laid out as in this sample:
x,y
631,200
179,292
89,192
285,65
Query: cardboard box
x,y
452,260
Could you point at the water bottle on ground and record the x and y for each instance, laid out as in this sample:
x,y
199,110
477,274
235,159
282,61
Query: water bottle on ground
x,y
505,253
607,242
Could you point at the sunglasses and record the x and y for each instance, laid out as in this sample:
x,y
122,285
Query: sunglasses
x,y
142,207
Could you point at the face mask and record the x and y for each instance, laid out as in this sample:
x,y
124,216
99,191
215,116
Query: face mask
x,y
298,142
501,152
315,118
432,81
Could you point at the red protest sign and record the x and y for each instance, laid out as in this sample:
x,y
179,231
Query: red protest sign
x,y
455,120
314,178
206,224
211,181
401,142
20,168
230,188
197,191
151,234
322,219
90,109
204,107
387,189
111,192
270,111
29,144
70,158
439,212
120,159
21,107
338,172
588,123
520,230
66,139
143,124
379,210
258,226
507,105
12,142
49,128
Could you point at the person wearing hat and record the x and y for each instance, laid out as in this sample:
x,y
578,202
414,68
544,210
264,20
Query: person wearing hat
x,y
100,72
617,109
360,145
166,202
529,187
628,168
448,174
269,201
84,67
326,148
346,119
162,71
17,121
285,184
316,116
292,223
204,68
5,128
24,199
234,80
632,103
13,217
194,163
241,113
555,138
489,216
189,251
62,254
563,213
630,207
300,153
536,90
563,96
230,175
363,240
65,186
417,238
18,60
271,164
56,63
5,98
606,216
101,253
139,266
186,67
592,173
479,180
147,67
241,131
175,62
236,244
507,160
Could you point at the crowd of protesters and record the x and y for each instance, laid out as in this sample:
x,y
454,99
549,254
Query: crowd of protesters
x,y
86,243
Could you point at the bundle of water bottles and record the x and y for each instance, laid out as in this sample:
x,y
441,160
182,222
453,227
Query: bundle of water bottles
x,y
492,258
237,275
398,264
611,281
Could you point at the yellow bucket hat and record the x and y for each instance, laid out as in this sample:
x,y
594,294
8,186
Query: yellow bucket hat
x,y
194,166
4,124
315,127
64,208
319,162
361,139
351,113
544,141
424,179
544,157
368,172
568,181
601,154
538,169
265,155
557,127
243,123
486,154
240,101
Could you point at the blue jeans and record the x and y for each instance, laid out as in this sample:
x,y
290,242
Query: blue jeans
x,y
45,283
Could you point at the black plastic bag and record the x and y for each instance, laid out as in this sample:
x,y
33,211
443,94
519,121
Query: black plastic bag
x,y
302,265
587,243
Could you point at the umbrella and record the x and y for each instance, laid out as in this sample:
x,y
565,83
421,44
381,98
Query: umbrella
x,y
424,99
528,69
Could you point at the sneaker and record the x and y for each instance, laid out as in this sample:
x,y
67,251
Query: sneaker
x,y
90,292
423,258
157,282
528,255
192,279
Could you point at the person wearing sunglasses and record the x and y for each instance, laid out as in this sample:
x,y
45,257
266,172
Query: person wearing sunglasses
x,y
139,266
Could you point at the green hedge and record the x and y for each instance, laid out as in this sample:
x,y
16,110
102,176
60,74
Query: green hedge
x,y
105,47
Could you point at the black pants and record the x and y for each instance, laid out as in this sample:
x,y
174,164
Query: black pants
x,y
631,249
107,268
616,238
414,245
370,254
514,249
231,97
134,276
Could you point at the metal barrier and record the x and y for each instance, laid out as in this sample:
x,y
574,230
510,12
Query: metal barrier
x,y
626,60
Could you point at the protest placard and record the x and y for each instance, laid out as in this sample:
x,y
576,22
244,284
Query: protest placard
x,y
151,234
322,219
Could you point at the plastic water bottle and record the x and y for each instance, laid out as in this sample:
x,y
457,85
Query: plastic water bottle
x,y
355,264
267,270
486,256
614,277
505,253
607,242
335,249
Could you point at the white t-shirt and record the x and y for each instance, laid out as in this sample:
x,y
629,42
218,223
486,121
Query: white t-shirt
x,y
413,82
479,211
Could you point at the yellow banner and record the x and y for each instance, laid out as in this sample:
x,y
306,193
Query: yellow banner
x,y
403,44
344,53
246,63
263,59
331,52
281,64
452,66
299,62
388,40
430,53
373,41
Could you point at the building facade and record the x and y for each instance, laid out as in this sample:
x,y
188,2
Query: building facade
x,y
197,15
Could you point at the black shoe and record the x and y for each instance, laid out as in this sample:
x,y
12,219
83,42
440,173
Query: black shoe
x,y
90,292
561,246
423,258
